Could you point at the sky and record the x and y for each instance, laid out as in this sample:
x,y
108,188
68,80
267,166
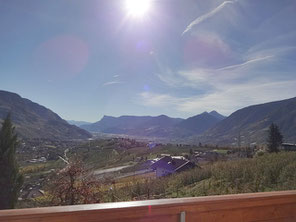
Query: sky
x,y
87,59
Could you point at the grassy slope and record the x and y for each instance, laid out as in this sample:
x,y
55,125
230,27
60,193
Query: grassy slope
x,y
262,173
266,173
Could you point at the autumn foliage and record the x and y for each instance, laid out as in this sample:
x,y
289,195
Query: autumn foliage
x,y
75,185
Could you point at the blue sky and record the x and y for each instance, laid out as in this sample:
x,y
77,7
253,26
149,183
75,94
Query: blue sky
x,y
86,59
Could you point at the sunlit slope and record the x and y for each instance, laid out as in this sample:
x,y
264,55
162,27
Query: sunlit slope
x,y
250,124
35,121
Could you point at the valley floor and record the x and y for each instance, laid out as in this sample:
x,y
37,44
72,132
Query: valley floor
x,y
121,168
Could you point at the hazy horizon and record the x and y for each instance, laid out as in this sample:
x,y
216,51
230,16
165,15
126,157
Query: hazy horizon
x,y
87,59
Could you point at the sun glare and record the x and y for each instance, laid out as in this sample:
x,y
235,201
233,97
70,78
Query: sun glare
x,y
138,8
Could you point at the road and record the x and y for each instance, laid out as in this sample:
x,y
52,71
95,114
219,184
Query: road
x,y
110,170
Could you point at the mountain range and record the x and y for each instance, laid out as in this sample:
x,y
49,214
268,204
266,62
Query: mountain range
x,y
32,120
159,126
243,127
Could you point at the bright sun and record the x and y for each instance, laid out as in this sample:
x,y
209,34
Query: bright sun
x,y
138,8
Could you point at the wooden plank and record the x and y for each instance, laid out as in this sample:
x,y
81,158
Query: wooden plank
x,y
286,219
243,207
269,213
268,197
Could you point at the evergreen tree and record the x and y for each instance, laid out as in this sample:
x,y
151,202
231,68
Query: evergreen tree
x,y
275,138
10,178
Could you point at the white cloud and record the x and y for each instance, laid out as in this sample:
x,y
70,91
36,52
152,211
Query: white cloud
x,y
231,98
159,100
173,79
225,100
229,88
278,43
207,78
246,63
111,83
207,15
242,73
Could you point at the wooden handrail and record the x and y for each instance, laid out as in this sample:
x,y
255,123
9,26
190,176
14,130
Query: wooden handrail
x,y
269,206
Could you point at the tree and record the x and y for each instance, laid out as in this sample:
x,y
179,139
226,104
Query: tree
x,y
10,178
275,138
74,185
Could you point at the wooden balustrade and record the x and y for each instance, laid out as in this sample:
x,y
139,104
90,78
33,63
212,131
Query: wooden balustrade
x,y
269,206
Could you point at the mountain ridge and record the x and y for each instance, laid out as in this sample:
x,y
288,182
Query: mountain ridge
x,y
32,120
201,122
154,126
78,123
248,125
252,123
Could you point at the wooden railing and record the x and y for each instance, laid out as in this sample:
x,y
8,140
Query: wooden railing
x,y
272,206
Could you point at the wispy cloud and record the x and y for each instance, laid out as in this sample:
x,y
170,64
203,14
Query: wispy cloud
x,y
111,83
225,100
233,97
227,88
230,67
207,15
208,78
158,100
246,63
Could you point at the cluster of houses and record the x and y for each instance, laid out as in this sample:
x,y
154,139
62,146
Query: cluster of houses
x,y
31,191
41,150
203,157
126,143
167,164
289,146
171,164
39,160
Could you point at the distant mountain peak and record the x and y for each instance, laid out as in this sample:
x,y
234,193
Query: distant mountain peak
x,y
217,115
106,116
201,122
214,112
163,116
